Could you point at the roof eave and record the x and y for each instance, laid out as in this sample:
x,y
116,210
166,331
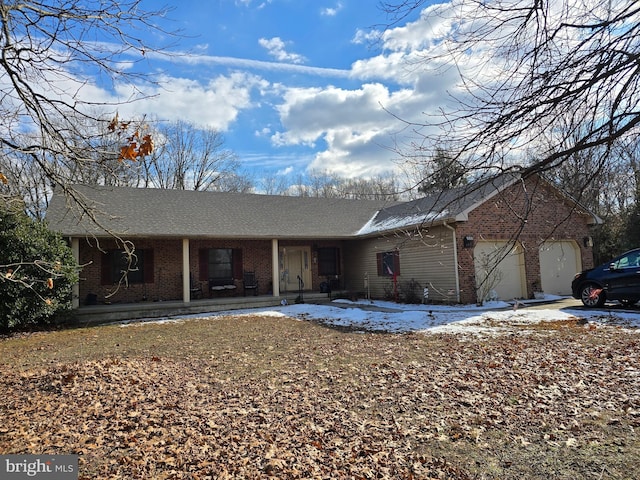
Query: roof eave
x,y
205,236
461,217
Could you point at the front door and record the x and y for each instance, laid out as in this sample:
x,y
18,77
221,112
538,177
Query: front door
x,y
295,267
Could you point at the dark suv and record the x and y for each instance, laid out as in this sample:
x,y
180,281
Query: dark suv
x,y
618,279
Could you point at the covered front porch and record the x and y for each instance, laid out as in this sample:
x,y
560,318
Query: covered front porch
x,y
184,271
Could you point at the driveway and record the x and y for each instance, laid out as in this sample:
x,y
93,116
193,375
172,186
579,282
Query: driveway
x,y
574,304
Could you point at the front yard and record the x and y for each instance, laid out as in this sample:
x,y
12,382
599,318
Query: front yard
x,y
264,397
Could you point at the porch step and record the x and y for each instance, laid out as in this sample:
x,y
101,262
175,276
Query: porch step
x,y
96,314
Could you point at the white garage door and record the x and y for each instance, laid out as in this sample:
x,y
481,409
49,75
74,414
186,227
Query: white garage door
x,y
558,264
500,268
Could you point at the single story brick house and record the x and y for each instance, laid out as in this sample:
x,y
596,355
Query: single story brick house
x,y
505,237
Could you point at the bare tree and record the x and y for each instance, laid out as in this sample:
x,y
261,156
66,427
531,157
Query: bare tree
x,y
587,176
47,49
606,187
322,184
234,182
274,185
376,188
25,184
50,53
543,65
189,158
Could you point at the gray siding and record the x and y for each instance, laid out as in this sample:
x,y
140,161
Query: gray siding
x,y
428,259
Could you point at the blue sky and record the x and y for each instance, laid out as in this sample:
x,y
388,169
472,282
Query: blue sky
x,y
294,84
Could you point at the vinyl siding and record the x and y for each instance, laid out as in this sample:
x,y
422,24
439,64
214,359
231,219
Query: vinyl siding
x,y
427,259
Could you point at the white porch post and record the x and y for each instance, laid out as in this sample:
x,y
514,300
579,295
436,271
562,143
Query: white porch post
x,y
186,290
75,289
275,277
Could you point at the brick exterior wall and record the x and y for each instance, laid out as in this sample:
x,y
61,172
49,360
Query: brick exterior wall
x,y
167,279
533,213
167,268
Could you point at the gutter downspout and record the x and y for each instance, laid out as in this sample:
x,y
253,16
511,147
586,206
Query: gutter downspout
x,y
455,258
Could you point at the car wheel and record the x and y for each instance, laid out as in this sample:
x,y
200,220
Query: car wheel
x,y
592,296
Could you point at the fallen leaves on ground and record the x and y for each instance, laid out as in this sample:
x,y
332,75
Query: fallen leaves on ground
x,y
561,403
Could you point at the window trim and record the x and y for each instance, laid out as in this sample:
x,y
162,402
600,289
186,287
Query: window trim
x,y
390,260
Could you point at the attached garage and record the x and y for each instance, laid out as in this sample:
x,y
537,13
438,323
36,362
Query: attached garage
x,y
500,268
559,262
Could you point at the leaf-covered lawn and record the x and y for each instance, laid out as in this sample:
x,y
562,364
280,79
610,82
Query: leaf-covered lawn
x,y
276,398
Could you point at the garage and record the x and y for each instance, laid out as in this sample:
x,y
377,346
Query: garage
x,y
499,267
559,262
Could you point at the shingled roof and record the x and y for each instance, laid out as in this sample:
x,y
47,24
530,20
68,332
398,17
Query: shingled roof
x,y
451,205
149,212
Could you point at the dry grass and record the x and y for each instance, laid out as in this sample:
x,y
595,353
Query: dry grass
x,y
250,397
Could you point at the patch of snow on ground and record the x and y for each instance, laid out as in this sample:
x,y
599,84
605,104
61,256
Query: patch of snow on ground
x,y
379,316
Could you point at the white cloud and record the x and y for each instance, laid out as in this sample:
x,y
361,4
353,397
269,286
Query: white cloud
x,y
250,64
263,132
286,171
276,48
355,155
215,104
331,11
434,24
354,125
308,112
366,36
350,129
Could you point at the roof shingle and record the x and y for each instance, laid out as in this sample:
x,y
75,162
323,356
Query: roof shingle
x,y
148,212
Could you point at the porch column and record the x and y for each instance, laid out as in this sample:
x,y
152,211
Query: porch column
x,y
186,290
275,269
75,288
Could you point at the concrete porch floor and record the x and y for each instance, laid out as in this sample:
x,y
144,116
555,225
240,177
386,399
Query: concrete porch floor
x,y
104,313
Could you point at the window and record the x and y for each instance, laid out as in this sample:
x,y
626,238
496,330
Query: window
x,y
388,264
220,263
328,261
118,266
631,260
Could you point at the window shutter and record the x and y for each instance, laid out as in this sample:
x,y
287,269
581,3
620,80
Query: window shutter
x,y
105,265
203,265
147,257
237,263
379,262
